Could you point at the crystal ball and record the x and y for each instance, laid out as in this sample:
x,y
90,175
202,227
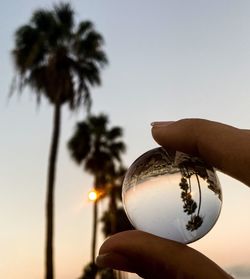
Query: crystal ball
x,y
172,195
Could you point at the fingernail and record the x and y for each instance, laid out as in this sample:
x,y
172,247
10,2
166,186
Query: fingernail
x,y
161,123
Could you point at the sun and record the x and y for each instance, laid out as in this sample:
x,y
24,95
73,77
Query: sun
x,y
92,195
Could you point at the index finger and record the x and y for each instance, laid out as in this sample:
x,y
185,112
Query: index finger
x,y
225,147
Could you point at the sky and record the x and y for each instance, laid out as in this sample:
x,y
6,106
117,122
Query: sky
x,y
168,60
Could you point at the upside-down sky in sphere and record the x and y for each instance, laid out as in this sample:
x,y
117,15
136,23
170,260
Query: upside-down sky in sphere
x,y
168,60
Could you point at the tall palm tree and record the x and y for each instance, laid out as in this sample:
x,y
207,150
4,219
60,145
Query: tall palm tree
x,y
99,149
60,61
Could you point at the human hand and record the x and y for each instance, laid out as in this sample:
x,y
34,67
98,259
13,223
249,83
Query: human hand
x,y
226,148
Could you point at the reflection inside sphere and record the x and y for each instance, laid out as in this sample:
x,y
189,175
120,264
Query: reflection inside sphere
x,y
172,195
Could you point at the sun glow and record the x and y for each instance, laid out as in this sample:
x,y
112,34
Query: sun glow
x,y
92,195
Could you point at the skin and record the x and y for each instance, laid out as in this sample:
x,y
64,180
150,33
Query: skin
x,y
227,149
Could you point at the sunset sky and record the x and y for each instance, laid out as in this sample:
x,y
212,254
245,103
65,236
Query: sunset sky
x,y
168,60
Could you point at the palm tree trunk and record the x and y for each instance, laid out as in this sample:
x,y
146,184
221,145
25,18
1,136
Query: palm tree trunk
x,y
199,186
93,255
49,272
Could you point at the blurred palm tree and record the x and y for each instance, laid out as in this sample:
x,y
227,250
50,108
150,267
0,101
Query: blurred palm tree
x,y
99,149
60,61
114,219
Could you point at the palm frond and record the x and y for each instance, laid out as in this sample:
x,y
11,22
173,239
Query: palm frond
x,y
65,16
93,40
84,27
24,36
37,80
88,47
100,57
30,48
98,123
117,149
114,133
43,20
72,57
80,143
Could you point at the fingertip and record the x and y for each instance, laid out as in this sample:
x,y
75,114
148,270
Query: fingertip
x,y
157,126
177,135
115,251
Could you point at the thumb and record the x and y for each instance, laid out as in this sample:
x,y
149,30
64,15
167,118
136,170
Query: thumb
x,y
153,257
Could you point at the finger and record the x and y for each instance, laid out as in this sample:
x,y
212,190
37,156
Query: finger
x,y
225,147
153,257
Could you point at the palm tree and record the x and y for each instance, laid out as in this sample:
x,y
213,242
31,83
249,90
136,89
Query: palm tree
x,y
60,61
99,149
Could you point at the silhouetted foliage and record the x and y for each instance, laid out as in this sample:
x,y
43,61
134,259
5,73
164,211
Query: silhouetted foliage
x,y
189,205
193,166
98,148
91,269
194,223
123,224
107,273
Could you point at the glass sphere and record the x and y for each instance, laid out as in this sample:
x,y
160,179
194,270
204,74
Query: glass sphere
x,y
172,195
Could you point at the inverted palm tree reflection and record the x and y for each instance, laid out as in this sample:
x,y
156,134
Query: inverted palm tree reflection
x,y
193,167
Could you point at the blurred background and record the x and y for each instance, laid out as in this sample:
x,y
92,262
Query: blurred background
x,y
167,60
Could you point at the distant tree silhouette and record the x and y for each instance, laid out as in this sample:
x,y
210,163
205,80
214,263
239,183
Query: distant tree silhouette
x,y
60,61
99,149
114,219
123,223
91,269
